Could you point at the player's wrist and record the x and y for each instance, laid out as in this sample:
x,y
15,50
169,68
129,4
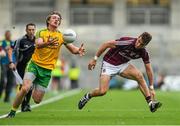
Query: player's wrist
x,y
95,58
10,62
151,87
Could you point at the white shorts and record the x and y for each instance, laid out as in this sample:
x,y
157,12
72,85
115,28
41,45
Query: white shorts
x,y
112,70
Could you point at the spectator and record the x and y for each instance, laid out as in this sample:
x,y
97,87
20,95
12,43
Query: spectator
x,y
74,73
7,77
56,76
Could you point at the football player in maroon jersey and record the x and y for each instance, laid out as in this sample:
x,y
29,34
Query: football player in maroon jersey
x,y
116,62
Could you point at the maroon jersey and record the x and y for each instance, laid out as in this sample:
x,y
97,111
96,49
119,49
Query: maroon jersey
x,y
125,51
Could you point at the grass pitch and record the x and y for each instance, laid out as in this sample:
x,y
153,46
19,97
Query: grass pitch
x,y
117,107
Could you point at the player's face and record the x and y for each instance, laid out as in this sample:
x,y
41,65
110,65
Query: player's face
x,y
54,20
31,30
139,43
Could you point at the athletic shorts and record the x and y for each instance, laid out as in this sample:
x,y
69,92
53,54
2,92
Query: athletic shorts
x,y
112,70
40,76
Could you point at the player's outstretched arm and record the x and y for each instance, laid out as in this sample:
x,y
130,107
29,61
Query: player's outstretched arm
x,y
101,50
104,46
149,72
76,50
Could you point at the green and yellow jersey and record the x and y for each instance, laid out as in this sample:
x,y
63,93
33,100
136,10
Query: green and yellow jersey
x,y
47,57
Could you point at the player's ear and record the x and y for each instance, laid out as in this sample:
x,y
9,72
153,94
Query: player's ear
x,y
59,22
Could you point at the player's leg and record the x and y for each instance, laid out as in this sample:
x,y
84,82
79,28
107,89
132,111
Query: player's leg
x,y
107,71
40,84
27,83
28,79
9,85
25,106
38,93
103,88
131,72
3,77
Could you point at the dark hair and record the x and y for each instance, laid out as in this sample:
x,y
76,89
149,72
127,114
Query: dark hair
x,y
146,37
30,24
49,16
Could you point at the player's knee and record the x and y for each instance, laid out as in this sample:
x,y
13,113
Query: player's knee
x,y
37,100
25,89
139,76
102,92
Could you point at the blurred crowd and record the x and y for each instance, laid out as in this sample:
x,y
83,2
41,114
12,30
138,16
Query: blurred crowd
x,y
64,76
162,82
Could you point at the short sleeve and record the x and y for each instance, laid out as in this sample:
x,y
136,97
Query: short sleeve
x,y
38,34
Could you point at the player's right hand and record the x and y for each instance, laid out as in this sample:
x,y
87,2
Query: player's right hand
x,y
12,66
92,64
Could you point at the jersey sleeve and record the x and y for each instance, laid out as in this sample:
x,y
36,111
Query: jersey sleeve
x,y
124,41
17,44
16,48
38,34
145,56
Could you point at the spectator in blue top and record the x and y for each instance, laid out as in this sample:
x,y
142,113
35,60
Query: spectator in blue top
x,y
7,77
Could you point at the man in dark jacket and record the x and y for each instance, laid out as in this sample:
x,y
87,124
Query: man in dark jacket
x,y
24,48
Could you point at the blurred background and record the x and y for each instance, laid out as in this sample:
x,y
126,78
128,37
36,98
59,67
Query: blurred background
x,y
96,21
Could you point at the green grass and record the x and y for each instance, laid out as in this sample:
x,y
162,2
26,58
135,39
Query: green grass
x,y
116,108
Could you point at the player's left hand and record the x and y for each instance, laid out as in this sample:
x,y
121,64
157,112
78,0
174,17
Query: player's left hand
x,y
81,50
152,92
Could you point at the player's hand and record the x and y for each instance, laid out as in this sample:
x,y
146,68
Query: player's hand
x,y
152,92
92,64
52,41
2,53
81,50
12,66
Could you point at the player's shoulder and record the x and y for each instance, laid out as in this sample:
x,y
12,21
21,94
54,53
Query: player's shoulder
x,y
42,30
125,38
59,32
22,38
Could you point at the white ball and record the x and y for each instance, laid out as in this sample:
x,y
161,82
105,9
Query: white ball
x,y
69,36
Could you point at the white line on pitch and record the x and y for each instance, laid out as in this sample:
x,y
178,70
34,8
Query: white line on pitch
x,y
50,100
